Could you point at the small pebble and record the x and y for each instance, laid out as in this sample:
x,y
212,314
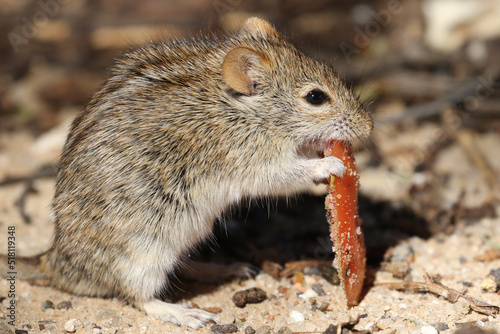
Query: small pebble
x,y
403,252
332,329
47,305
440,326
488,284
329,273
309,293
492,281
309,280
88,324
384,323
212,309
495,273
20,331
285,330
324,306
398,269
297,316
318,288
263,330
428,330
461,307
249,330
71,325
221,329
109,318
64,305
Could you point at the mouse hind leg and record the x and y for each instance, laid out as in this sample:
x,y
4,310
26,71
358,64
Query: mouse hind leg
x,y
199,271
145,299
145,279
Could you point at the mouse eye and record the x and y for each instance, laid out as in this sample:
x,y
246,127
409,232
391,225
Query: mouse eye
x,y
316,97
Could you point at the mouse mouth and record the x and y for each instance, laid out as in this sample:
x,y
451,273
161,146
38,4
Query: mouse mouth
x,y
316,148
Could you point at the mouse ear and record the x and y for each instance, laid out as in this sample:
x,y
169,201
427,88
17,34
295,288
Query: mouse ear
x,y
239,68
258,27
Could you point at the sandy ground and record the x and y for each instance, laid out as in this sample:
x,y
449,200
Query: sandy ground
x,y
295,306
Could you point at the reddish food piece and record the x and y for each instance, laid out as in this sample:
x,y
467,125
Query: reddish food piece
x,y
345,230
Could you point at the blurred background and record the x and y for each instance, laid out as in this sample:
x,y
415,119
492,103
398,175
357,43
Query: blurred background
x,y
427,69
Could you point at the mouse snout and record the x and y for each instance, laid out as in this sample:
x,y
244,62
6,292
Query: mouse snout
x,y
361,123
367,124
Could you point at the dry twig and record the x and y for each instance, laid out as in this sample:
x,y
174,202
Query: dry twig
x,y
452,295
469,145
436,107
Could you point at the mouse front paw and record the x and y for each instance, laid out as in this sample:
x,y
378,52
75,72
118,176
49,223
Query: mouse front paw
x,y
327,166
179,314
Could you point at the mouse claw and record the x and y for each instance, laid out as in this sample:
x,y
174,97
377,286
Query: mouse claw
x,y
243,270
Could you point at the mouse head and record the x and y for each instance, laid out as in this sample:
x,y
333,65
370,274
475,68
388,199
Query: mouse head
x,y
270,76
